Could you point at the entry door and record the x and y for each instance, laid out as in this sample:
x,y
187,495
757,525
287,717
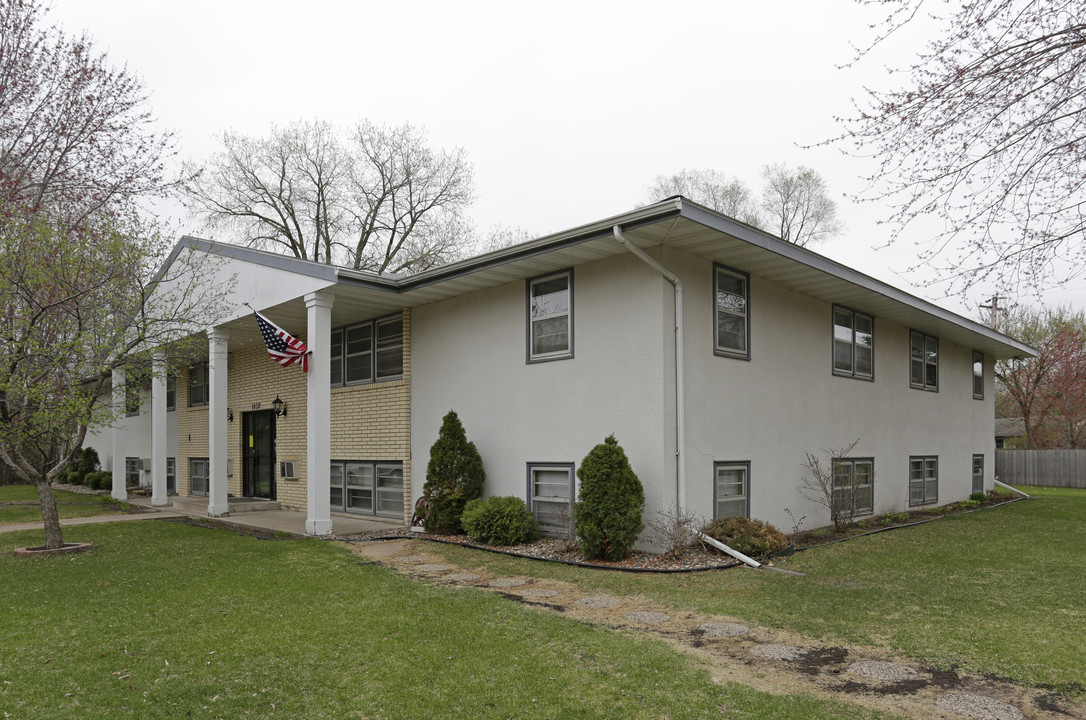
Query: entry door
x,y
258,450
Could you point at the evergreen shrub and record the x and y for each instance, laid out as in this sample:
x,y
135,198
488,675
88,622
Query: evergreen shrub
x,y
454,476
499,521
607,518
753,538
101,480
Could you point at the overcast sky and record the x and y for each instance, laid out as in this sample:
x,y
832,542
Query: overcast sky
x,y
567,110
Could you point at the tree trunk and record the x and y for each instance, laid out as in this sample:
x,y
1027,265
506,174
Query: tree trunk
x,y
49,514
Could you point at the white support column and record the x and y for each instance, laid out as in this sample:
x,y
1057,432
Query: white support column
x,y
318,413
119,491
218,345
158,431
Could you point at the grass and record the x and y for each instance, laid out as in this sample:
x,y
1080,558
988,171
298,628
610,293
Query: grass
x,y
1000,590
69,505
1043,491
204,623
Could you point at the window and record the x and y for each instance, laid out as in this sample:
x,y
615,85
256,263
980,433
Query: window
x,y
923,481
131,393
367,488
978,473
550,497
853,344
853,486
731,489
373,349
132,472
731,332
171,391
550,317
923,361
198,385
978,375
171,475
199,476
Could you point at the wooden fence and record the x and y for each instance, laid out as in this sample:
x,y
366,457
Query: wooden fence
x,y
1053,468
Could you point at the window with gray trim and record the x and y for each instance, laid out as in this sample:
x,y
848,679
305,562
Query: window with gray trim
x,y
853,344
550,497
853,486
198,385
550,317
923,480
731,301
731,489
171,391
978,473
171,475
978,375
132,472
199,476
132,382
367,487
367,352
923,361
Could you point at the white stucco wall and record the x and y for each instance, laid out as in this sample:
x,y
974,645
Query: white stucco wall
x,y
135,437
785,401
468,355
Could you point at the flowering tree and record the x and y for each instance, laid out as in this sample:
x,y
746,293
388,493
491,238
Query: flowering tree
x,y
986,135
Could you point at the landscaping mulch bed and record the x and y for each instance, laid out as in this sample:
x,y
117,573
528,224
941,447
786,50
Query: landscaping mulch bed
x,y
694,558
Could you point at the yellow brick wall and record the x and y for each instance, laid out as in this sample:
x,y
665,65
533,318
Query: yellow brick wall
x,y
369,422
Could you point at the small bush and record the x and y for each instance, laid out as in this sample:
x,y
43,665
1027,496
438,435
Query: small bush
x,y
499,521
1001,495
750,537
101,480
674,532
894,518
607,519
979,496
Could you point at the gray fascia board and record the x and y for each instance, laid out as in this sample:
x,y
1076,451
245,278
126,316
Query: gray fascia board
x,y
257,257
758,238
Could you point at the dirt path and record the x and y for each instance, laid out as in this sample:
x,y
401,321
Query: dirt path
x,y
766,659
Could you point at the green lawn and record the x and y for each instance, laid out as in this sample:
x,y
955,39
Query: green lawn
x,y
164,620
1001,590
20,504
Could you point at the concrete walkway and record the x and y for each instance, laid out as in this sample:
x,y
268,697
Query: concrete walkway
x,y
291,521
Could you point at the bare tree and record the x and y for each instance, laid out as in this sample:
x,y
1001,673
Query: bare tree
x,y
501,236
794,205
820,484
75,132
710,188
797,207
374,198
987,135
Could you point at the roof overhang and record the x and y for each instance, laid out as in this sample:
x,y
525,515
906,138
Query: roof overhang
x,y
675,223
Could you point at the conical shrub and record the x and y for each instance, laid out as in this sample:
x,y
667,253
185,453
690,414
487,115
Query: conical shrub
x,y
607,518
454,476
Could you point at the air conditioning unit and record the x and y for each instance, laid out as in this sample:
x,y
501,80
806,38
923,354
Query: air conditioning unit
x,y
286,469
145,464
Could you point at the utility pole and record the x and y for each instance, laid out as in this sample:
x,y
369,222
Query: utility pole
x,y
994,307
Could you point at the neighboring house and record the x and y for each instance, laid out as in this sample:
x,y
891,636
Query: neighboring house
x,y
546,347
1010,434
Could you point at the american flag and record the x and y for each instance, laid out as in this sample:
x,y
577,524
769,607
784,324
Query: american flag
x,y
283,347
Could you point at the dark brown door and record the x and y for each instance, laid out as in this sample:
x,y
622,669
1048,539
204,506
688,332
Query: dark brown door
x,y
258,450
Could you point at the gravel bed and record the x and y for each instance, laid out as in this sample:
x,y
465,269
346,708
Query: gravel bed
x,y
978,707
599,601
885,671
432,568
651,618
778,652
724,629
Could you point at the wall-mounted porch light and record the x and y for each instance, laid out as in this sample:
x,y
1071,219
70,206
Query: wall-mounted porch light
x,y
279,407
229,415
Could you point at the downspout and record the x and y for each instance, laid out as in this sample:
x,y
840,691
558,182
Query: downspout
x,y
680,398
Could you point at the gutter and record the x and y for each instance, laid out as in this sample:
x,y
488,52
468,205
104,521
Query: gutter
x,y
680,395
